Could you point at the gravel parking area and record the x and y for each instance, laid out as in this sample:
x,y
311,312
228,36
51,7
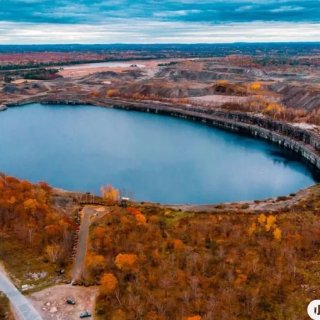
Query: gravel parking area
x,y
51,302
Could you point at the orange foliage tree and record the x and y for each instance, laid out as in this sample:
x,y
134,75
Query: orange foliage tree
x,y
140,218
113,93
193,318
108,283
193,266
255,86
95,265
27,213
126,261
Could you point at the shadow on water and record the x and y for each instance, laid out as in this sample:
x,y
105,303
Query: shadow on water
x,y
280,155
287,157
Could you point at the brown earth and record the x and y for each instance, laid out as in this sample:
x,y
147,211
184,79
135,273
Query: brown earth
x,y
51,302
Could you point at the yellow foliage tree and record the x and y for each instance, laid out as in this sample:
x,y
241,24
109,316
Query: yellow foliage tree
x,y
110,194
277,234
222,82
273,109
255,86
262,219
270,222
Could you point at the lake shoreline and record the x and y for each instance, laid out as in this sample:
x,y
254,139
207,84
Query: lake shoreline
x,y
302,142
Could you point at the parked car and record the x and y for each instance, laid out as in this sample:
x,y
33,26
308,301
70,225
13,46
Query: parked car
x,y
70,301
85,314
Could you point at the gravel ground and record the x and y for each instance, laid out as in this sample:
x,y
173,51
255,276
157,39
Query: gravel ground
x,y
51,302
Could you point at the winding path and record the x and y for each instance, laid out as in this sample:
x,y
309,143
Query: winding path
x,y
22,306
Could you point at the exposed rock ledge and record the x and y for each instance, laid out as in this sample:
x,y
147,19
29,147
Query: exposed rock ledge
x,y
3,107
302,141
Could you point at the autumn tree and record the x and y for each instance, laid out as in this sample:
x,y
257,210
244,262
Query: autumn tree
x,y
277,234
118,315
140,218
113,93
28,214
53,252
218,265
262,219
126,261
110,194
274,110
95,265
95,94
108,283
270,222
197,317
255,86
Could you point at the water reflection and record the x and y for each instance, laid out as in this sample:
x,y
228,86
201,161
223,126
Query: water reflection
x,y
155,158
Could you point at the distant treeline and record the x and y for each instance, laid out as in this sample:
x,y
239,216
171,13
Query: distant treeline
x,y
198,49
33,74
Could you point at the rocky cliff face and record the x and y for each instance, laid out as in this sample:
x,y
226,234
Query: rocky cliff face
x,y
302,141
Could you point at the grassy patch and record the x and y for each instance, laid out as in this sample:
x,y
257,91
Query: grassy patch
x,y
25,266
5,312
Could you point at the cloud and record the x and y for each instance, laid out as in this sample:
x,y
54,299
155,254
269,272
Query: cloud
x,y
217,11
205,18
166,14
244,8
287,9
149,31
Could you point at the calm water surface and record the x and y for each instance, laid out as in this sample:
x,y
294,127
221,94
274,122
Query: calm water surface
x,y
150,157
104,64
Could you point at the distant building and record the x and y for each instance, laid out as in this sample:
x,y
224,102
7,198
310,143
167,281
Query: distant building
x,y
124,201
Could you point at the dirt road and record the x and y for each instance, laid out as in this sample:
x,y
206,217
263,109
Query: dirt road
x,y
77,272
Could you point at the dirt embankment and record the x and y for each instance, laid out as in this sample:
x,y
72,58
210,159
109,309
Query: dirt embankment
x,y
302,97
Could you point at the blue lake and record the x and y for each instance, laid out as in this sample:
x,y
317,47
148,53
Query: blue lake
x,y
148,157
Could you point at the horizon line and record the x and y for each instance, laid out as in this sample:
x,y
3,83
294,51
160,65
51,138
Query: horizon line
x,y
158,43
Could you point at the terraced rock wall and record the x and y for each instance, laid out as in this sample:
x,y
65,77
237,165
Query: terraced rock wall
x,y
302,141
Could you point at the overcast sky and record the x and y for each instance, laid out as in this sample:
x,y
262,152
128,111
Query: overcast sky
x,y
158,21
